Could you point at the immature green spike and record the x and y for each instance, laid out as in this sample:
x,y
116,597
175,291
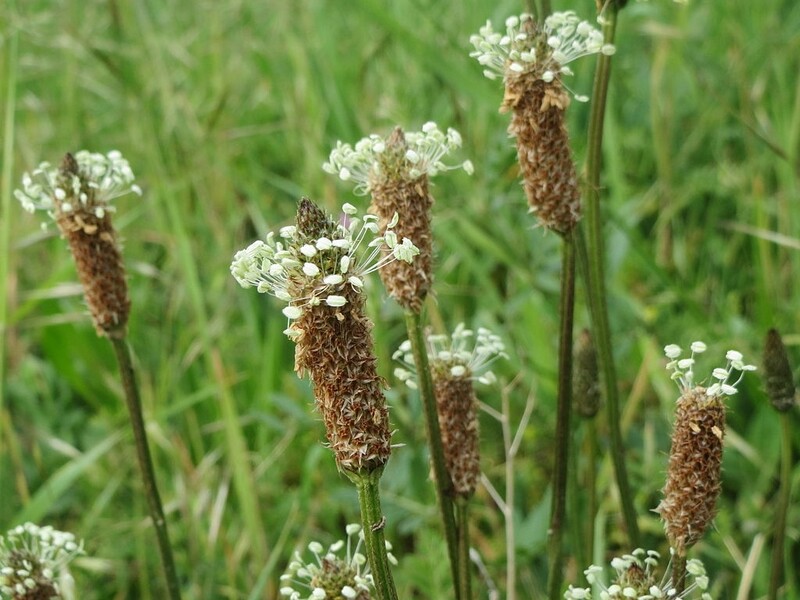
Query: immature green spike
x,y
586,379
778,377
312,221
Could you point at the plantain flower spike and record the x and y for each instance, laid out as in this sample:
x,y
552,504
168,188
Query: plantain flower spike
x,y
636,579
532,59
395,171
695,459
778,378
317,267
33,562
456,362
78,196
331,575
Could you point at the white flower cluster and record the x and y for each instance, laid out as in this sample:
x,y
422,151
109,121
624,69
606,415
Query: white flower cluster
x,y
107,177
636,580
304,272
683,369
425,149
526,48
350,575
31,557
457,353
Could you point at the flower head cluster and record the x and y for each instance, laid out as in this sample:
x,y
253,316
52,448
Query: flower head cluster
x,y
305,270
330,576
461,355
683,369
636,580
31,558
375,159
526,48
91,187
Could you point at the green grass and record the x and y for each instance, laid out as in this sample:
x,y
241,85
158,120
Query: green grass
x,y
226,111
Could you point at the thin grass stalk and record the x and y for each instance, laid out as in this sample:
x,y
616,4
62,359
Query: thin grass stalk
x,y
444,486
596,292
784,496
372,520
563,433
134,404
464,583
5,197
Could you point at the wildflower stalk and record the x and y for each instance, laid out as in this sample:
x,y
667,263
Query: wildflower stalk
x,y
563,434
134,404
395,171
464,583
369,500
595,277
444,486
78,195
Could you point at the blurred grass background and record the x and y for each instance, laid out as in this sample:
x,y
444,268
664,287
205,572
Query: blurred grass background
x,y
226,111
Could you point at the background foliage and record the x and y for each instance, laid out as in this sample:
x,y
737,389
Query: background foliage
x,y
226,111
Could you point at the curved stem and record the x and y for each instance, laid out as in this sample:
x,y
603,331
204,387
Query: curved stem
x,y
372,520
134,404
779,533
563,434
594,253
444,486
462,529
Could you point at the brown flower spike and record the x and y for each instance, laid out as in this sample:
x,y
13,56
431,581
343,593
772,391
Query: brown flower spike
x,y
408,283
457,408
694,473
317,268
78,197
396,171
455,364
532,58
695,459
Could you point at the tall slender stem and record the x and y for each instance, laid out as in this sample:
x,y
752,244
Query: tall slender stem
x,y
779,533
464,583
134,404
594,254
563,434
372,520
444,486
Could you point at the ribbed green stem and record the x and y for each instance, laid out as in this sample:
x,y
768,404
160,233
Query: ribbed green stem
x,y
372,521
779,532
563,433
679,573
464,584
134,404
444,486
596,291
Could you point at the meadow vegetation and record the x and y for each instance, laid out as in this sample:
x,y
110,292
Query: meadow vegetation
x,y
226,112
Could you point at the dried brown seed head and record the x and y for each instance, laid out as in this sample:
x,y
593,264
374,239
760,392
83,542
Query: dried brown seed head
x,y
458,420
694,472
335,348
